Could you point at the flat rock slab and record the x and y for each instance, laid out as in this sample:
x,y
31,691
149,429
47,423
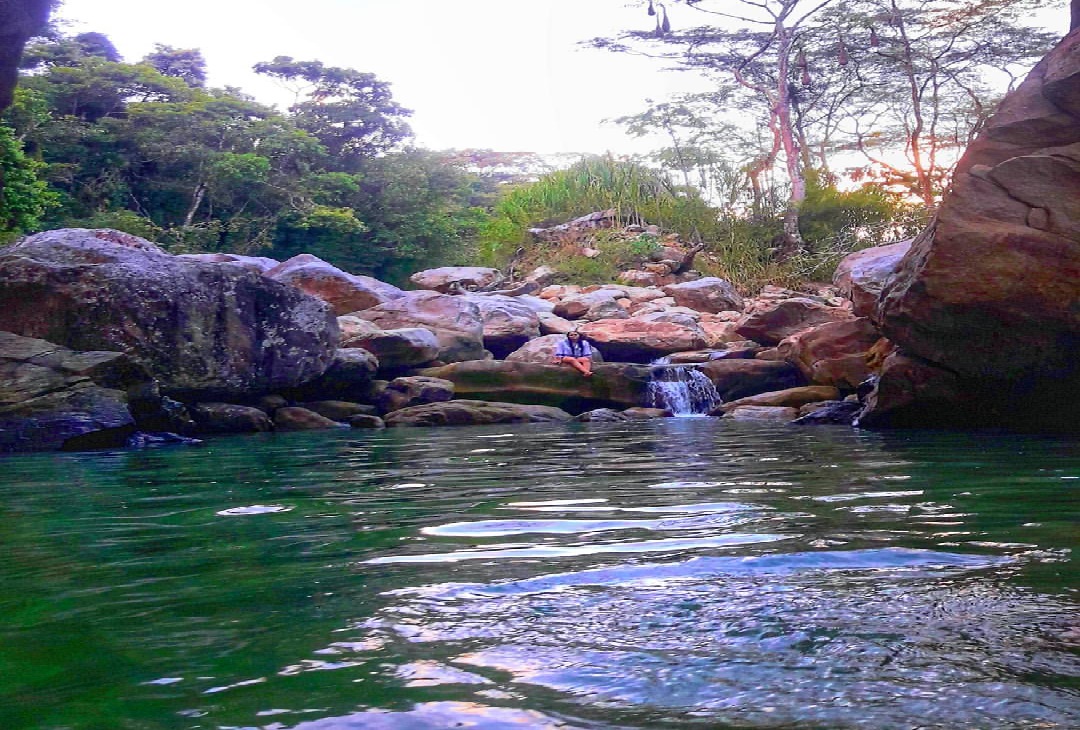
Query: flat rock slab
x,y
474,413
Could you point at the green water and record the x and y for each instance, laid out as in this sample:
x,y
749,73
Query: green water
x,y
672,573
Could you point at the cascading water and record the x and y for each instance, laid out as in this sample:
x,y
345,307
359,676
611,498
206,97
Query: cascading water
x,y
682,389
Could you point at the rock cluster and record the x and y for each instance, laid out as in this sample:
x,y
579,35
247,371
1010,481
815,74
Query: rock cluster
x,y
974,322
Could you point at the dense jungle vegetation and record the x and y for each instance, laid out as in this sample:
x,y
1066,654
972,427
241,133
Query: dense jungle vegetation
x,y
830,126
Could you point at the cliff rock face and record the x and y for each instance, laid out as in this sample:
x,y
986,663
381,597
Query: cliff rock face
x,y
991,290
200,329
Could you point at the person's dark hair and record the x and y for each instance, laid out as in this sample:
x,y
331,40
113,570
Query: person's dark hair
x,y
576,346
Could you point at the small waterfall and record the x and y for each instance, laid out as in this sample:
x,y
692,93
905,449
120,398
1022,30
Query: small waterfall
x,y
682,389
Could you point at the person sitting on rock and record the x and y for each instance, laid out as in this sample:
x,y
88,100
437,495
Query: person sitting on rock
x,y
576,352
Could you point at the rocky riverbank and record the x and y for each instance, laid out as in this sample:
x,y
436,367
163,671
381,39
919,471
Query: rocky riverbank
x,y
976,322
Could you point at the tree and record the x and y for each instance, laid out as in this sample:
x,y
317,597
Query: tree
x,y
182,63
825,77
759,60
23,197
922,71
351,112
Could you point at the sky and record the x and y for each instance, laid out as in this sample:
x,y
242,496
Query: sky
x,y
507,75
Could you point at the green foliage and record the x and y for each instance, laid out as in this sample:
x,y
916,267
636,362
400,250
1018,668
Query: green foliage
x,y
24,198
636,192
826,211
183,63
352,113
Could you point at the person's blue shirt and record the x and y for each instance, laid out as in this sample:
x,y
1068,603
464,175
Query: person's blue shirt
x,y
569,348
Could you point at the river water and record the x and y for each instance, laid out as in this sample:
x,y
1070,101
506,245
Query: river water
x,y
659,574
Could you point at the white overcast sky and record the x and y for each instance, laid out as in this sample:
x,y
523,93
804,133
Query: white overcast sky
x,y
500,74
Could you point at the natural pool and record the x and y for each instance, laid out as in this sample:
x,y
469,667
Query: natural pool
x,y
670,573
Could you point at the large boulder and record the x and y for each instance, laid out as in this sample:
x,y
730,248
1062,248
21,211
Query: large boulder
x,y
508,322
862,276
348,377
737,378
914,393
259,264
215,417
611,386
475,413
344,292
450,278
396,349
52,397
593,305
456,321
709,294
836,353
772,321
414,390
989,291
640,340
201,329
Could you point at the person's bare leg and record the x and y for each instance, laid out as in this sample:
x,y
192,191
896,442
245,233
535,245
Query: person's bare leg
x,y
575,363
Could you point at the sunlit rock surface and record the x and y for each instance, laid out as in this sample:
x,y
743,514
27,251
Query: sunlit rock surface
x,y
990,291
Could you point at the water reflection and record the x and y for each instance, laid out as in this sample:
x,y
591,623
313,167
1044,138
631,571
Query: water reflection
x,y
652,574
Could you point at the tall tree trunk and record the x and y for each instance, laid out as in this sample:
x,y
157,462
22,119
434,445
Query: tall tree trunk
x,y
196,201
793,242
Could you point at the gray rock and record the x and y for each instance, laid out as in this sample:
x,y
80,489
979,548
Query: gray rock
x,y
201,329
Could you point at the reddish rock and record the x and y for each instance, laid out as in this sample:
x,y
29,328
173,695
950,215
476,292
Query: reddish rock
x,y
861,276
594,305
772,321
643,278
990,290
641,413
788,398
456,321
836,353
763,413
737,378
344,292
444,278
637,340
710,294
